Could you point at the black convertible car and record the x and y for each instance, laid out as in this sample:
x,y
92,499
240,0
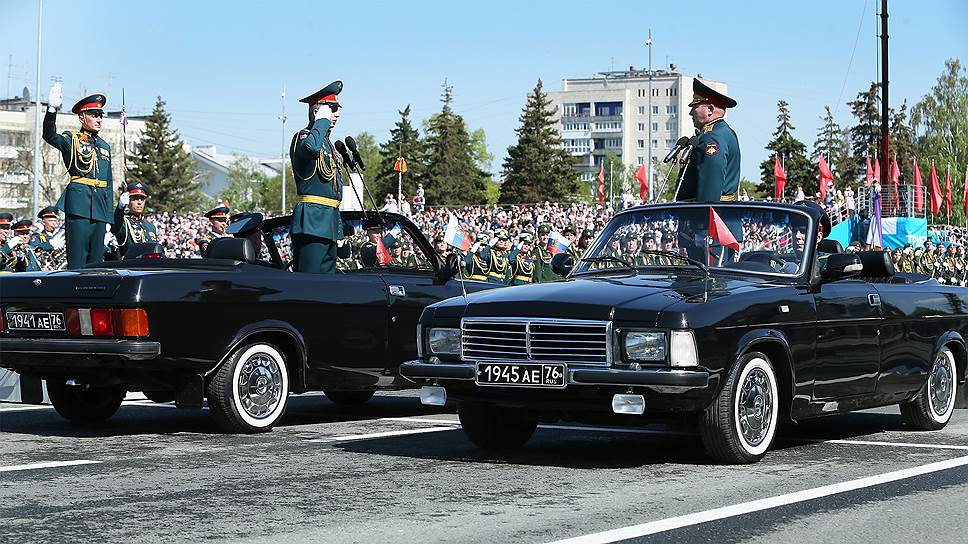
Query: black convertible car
x,y
236,327
733,313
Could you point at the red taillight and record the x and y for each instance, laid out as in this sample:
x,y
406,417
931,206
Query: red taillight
x,y
151,256
73,322
101,322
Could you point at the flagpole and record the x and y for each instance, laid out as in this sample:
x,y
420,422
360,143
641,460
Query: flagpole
x,y
649,142
124,143
611,182
36,202
284,147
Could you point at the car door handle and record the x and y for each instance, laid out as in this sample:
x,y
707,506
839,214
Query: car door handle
x,y
398,291
874,300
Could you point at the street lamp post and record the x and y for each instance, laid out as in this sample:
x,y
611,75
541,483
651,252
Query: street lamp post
x,y
648,143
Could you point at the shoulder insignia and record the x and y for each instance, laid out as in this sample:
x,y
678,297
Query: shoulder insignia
x,y
712,148
303,136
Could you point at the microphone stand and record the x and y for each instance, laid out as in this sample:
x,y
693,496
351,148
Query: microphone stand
x,y
682,170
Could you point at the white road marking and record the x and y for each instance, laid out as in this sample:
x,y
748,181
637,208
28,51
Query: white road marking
x,y
23,407
687,520
385,434
49,464
880,443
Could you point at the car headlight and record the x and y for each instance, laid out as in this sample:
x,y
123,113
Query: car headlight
x,y
444,341
645,346
683,348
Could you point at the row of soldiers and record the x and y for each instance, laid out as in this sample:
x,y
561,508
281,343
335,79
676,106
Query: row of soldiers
x,y
947,264
20,246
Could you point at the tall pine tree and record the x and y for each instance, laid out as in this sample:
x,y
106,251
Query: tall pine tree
x,y
832,142
793,155
165,166
537,168
404,141
865,135
452,175
902,142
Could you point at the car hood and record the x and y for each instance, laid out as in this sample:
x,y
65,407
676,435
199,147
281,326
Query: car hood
x,y
606,297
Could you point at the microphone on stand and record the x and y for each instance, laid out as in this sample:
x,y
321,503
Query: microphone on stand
x,y
681,144
351,144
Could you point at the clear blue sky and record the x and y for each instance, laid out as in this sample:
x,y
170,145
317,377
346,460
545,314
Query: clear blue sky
x,y
221,66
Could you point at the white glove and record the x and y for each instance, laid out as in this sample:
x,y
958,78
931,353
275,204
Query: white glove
x,y
124,199
110,240
14,241
58,241
324,112
55,97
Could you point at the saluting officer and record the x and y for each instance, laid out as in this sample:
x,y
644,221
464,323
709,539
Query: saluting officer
x,y
542,257
6,219
44,239
87,199
713,171
522,265
21,254
497,258
133,228
316,224
477,265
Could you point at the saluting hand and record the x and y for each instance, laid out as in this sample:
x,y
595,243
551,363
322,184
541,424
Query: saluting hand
x,y
55,97
324,112
124,199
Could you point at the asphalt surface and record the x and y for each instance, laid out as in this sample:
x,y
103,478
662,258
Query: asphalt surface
x,y
393,471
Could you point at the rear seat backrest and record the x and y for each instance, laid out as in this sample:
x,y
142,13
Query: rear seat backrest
x,y
878,266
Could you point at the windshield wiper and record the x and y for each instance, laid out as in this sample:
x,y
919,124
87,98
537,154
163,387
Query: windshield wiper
x,y
609,259
679,256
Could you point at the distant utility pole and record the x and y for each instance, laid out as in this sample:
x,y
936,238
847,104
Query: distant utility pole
x,y
648,159
40,18
283,119
885,104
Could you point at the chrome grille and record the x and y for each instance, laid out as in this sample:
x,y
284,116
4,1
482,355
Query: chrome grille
x,y
513,339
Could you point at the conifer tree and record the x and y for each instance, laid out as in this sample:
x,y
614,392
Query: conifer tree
x,y
165,166
832,142
537,168
404,141
865,135
793,155
452,174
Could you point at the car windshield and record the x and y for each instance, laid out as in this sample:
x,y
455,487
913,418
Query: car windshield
x,y
750,238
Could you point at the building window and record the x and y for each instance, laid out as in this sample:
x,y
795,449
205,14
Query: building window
x,y
641,144
641,127
641,160
671,110
655,110
613,142
670,126
669,143
655,127
675,91
655,144
641,110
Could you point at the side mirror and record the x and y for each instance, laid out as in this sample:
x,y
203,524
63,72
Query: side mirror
x,y
840,266
450,269
562,264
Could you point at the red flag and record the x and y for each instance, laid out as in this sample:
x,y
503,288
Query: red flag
x,y
719,232
870,172
643,178
781,178
947,188
382,254
935,191
896,178
601,184
877,169
826,176
918,186
964,195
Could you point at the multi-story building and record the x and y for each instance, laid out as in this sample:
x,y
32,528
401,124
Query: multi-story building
x,y
611,114
17,117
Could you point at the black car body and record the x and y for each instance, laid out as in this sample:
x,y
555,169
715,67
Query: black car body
x,y
167,326
838,332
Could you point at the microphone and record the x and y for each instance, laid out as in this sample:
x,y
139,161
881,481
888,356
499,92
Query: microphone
x,y
351,144
681,144
341,149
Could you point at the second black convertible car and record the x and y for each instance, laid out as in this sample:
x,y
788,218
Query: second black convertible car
x,y
236,327
731,312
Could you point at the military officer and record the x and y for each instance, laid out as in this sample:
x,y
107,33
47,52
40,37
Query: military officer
x,y
218,218
522,265
316,224
44,239
6,219
542,257
478,266
87,199
713,171
499,269
572,237
21,255
133,228
905,262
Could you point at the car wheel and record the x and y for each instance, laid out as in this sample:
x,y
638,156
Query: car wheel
x,y
932,408
80,405
740,424
160,397
349,398
249,392
496,428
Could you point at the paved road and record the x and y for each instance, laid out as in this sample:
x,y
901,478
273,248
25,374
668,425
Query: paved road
x,y
392,471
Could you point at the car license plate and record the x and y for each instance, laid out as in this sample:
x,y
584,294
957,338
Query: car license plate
x,y
521,375
35,321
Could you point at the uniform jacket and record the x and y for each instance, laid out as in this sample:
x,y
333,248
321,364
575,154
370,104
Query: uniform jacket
x,y
313,156
86,155
713,172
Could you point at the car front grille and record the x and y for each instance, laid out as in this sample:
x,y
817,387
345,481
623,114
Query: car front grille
x,y
535,339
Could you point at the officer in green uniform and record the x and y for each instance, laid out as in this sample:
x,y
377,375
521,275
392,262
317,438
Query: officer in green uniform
x,y
499,266
133,228
87,200
522,265
906,263
713,171
6,261
542,257
43,239
316,224
218,222
20,253
569,233
478,266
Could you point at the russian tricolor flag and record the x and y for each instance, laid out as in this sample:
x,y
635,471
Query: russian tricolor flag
x,y
557,243
455,236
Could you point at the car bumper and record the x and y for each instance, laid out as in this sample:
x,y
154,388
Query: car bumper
x,y
662,380
71,348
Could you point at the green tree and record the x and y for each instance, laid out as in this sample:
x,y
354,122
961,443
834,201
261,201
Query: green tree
x,y
793,155
832,142
865,136
537,167
271,197
404,142
165,166
902,142
452,176
247,185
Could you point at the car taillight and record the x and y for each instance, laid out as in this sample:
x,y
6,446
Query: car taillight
x,y
133,322
101,322
151,256
73,322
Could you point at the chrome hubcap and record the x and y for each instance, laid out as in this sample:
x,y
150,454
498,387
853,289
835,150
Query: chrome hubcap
x,y
940,385
260,385
755,407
